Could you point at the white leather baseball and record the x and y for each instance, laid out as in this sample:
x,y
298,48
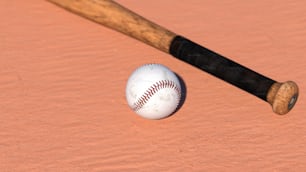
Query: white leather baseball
x,y
153,91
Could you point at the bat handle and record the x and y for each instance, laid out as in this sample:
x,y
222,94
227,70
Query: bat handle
x,y
282,96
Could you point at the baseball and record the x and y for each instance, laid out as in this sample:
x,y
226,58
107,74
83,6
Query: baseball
x,y
153,91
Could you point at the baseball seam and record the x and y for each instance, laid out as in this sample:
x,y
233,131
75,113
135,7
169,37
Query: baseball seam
x,y
154,89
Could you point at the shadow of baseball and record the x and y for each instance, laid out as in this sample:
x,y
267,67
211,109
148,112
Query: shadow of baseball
x,y
183,94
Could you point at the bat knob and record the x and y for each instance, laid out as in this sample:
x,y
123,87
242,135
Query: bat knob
x,y
282,96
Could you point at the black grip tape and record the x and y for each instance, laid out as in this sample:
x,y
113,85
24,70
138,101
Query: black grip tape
x,y
221,67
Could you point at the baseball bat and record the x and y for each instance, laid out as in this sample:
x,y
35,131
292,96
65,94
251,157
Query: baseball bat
x,y
281,96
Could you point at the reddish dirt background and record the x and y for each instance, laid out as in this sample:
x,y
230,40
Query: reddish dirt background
x,y
62,90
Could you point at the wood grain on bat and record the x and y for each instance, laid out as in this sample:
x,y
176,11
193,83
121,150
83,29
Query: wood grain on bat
x,y
116,17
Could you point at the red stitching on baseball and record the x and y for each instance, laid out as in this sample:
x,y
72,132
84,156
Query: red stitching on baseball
x,y
152,90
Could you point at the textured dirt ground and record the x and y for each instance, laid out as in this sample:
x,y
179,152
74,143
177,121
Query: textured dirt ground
x,y
62,83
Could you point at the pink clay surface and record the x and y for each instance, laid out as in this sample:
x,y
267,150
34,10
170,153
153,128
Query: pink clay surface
x,y
63,78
